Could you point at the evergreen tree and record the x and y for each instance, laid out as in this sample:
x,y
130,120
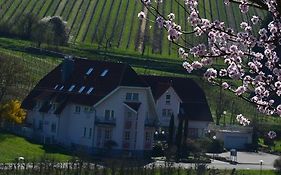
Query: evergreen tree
x,y
179,136
171,131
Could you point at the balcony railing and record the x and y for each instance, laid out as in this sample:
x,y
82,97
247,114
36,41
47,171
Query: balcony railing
x,y
105,121
151,123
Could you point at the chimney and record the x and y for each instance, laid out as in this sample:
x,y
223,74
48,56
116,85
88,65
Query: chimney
x,y
67,68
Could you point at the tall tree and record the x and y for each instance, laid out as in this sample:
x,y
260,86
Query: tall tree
x,y
179,136
185,130
171,131
13,76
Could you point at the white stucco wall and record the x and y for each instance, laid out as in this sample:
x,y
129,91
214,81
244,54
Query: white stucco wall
x,y
72,126
116,102
34,117
174,106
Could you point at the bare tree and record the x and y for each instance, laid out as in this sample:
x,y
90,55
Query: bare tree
x,y
13,78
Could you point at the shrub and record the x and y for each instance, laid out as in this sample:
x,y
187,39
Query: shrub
x,y
158,150
277,164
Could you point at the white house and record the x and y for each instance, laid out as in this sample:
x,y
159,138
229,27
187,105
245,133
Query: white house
x,y
91,105
181,97
100,106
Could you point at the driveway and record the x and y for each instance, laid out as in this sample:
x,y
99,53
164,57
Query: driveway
x,y
252,157
246,160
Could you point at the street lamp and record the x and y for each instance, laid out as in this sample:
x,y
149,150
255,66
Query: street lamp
x,y
224,114
261,162
214,137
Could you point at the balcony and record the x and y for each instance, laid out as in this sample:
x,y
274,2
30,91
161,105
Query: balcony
x,y
105,121
150,123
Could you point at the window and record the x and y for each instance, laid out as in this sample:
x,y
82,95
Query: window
x,y
56,86
86,109
61,88
77,109
109,114
147,136
135,96
193,132
132,96
107,134
85,131
90,133
89,71
53,127
127,135
40,127
91,109
90,90
167,112
71,88
81,89
54,106
104,73
168,99
128,96
38,105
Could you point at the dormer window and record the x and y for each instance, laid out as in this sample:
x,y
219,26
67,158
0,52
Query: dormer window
x,y
168,99
81,89
71,88
90,90
89,71
104,73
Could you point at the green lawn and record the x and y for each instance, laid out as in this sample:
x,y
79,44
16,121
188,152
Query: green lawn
x,y
12,146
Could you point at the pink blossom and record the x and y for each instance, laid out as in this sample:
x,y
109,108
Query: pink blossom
x,y
141,15
240,90
187,66
271,134
225,85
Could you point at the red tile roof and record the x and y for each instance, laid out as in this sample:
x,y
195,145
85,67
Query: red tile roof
x,y
194,103
118,74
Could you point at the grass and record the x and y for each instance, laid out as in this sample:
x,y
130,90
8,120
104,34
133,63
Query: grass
x,y
12,146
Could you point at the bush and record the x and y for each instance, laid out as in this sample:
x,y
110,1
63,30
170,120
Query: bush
x,y
158,150
216,146
277,164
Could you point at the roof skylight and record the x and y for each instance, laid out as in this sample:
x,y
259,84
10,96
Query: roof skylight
x,y
61,88
71,88
90,90
104,73
56,86
89,71
81,89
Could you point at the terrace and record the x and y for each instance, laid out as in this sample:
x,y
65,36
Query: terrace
x,y
105,121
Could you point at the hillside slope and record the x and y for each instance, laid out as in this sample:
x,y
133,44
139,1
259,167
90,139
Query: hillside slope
x,y
113,23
